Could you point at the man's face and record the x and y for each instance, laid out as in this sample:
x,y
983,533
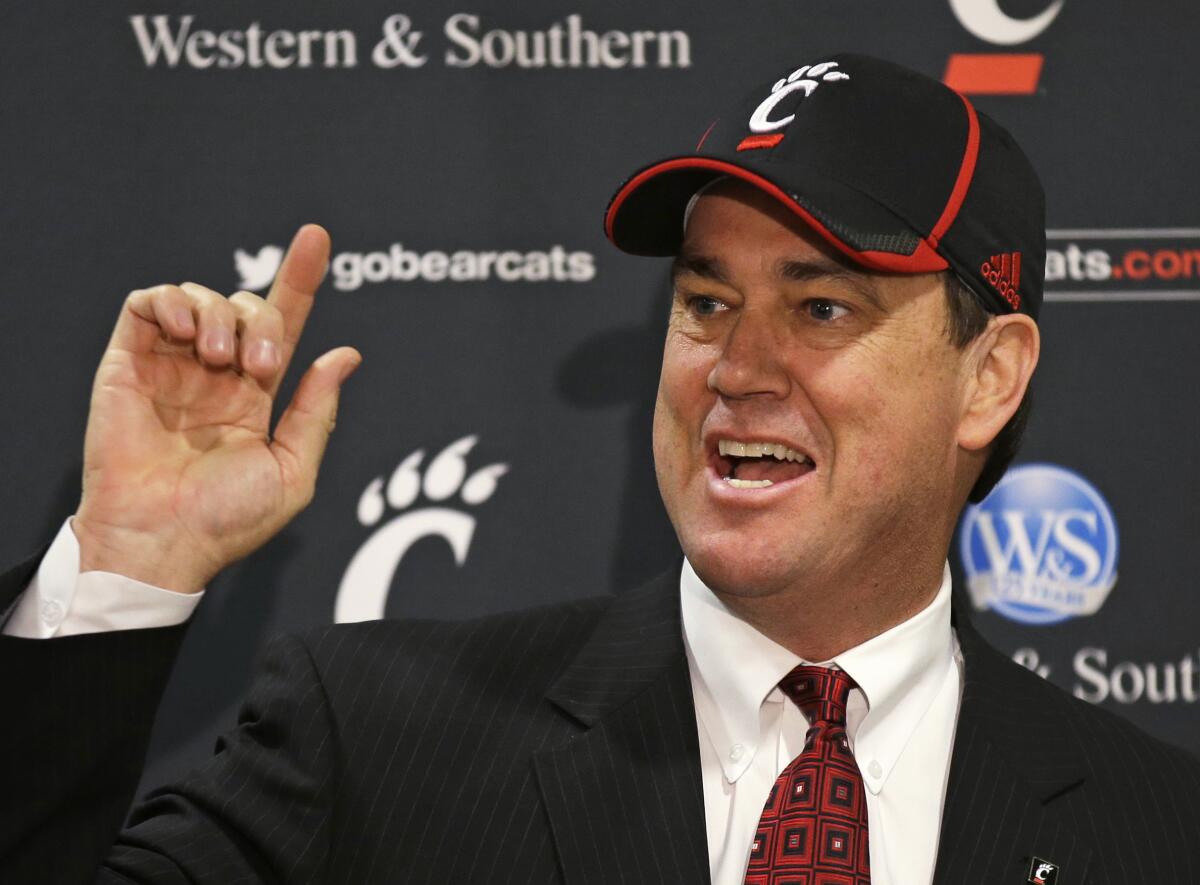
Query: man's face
x,y
846,376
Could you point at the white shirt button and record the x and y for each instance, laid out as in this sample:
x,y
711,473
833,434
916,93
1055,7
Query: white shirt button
x,y
736,752
52,612
874,768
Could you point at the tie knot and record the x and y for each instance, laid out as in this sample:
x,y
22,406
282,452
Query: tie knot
x,y
819,692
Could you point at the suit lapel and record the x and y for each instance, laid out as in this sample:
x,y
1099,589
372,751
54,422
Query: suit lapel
x,y
1008,767
624,798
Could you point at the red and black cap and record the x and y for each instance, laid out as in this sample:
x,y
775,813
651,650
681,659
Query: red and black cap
x,y
895,170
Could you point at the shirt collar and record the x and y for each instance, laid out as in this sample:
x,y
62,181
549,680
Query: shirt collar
x,y
735,667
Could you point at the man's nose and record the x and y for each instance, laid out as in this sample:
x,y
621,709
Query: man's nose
x,y
751,362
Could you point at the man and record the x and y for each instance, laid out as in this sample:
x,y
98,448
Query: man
x,y
845,365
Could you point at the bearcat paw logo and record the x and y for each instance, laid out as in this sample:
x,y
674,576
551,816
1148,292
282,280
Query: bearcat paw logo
x,y
363,593
804,79
812,74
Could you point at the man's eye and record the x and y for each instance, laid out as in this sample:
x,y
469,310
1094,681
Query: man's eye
x,y
703,305
823,310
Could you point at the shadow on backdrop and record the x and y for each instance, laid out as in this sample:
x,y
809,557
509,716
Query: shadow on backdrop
x,y
63,502
618,368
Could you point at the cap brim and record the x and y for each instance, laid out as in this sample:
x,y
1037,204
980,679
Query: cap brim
x,y
645,216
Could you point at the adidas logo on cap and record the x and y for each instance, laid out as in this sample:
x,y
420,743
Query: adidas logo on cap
x,y
1003,272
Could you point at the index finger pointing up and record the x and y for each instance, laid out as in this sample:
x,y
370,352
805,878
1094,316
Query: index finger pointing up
x,y
292,293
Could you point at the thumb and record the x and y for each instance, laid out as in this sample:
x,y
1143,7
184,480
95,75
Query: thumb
x,y
305,425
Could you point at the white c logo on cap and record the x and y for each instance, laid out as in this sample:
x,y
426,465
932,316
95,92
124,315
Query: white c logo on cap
x,y
985,20
759,120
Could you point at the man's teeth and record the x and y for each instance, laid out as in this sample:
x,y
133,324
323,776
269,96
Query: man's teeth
x,y
778,451
748,483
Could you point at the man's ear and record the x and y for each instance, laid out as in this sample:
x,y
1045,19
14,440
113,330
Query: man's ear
x,y
1000,364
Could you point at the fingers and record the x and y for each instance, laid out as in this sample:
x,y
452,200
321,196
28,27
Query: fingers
x,y
151,314
243,331
299,275
305,425
187,313
216,325
260,336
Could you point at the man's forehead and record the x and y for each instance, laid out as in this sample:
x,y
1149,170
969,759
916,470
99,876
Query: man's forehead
x,y
730,205
721,229
801,267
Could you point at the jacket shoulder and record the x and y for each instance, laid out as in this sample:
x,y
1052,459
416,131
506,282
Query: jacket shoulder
x,y
1124,757
1118,756
526,648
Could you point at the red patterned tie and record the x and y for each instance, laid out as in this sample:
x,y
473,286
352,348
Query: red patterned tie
x,y
813,829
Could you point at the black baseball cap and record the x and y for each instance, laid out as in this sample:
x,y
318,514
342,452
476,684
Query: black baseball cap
x,y
895,170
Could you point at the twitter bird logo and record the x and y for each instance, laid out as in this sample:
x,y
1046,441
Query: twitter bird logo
x,y
257,271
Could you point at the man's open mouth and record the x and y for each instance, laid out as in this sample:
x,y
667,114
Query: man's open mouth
x,y
757,465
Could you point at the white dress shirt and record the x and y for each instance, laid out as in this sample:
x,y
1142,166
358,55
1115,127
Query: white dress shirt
x,y
60,601
900,721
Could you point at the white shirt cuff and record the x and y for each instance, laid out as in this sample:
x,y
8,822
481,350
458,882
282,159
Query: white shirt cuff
x,y
60,601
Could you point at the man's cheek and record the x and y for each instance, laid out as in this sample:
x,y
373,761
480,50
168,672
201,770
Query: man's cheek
x,y
683,397
871,448
668,443
875,471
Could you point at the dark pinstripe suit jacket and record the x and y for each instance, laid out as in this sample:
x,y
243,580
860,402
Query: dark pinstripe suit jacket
x,y
557,745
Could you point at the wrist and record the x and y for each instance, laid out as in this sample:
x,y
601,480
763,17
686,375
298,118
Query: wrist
x,y
144,556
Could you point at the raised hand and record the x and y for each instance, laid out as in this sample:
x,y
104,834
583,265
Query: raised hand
x,y
182,475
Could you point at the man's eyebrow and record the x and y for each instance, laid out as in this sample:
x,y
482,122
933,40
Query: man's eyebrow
x,y
700,265
803,271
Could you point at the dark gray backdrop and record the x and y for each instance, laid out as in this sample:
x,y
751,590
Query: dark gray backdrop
x,y
119,173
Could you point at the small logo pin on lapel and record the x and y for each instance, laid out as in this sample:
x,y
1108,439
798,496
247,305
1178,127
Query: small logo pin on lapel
x,y
1042,872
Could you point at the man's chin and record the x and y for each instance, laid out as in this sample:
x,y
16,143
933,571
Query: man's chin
x,y
742,567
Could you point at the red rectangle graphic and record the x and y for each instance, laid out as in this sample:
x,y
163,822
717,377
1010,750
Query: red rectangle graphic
x,y
750,142
994,73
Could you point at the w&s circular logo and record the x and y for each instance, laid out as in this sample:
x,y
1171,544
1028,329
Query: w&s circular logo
x,y
1041,548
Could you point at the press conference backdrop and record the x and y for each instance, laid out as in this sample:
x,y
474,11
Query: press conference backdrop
x,y
493,452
